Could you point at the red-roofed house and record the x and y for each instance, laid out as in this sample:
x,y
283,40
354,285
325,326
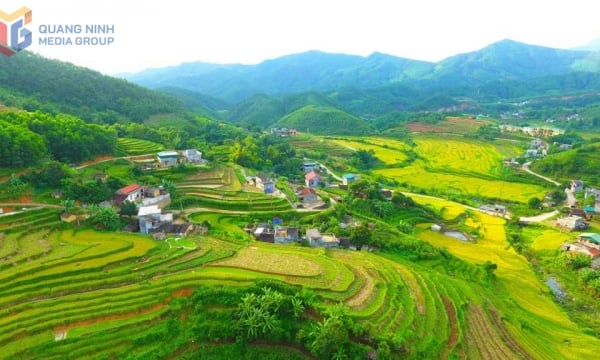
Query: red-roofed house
x,y
128,193
312,179
308,196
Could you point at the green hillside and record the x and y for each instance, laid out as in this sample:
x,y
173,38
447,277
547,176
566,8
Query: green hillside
x,y
264,110
32,82
582,164
325,121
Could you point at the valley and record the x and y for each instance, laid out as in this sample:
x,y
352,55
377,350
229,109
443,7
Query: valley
x,y
288,224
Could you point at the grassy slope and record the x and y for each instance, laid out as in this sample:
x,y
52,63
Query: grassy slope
x,y
325,121
582,163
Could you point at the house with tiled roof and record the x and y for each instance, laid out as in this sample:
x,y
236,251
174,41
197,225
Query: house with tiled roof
x,y
128,193
312,179
308,196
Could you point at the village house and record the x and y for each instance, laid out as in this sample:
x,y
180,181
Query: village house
x,y
591,191
510,162
192,156
131,193
347,179
349,221
264,183
164,230
581,249
151,218
536,144
576,185
572,223
591,240
565,146
168,158
316,239
285,234
312,179
309,166
283,132
265,233
155,196
308,196
532,153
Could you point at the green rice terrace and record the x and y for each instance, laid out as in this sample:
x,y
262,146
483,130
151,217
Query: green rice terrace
x,y
222,188
72,294
131,146
79,293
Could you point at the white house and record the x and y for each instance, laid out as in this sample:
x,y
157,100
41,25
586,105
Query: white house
x,y
192,156
151,217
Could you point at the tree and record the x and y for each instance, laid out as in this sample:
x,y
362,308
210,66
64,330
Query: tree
x,y
489,267
16,186
577,261
129,208
108,218
405,226
170,188
360,236
534,203
558,196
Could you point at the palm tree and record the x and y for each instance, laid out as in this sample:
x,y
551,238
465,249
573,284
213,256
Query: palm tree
x,y
297,307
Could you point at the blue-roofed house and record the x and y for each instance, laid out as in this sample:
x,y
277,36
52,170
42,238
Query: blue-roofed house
x,y
350,178
590,240
168,158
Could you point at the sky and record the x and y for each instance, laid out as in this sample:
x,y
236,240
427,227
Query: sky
x,y
151,33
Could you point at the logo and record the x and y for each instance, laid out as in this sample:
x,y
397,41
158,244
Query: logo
x,y
14,36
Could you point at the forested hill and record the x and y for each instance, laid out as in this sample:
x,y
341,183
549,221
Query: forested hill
x,y
31,82
582,163
505,60
325,120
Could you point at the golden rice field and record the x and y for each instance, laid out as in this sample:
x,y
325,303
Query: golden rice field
x,y
259,259
465,167
527,293
547,239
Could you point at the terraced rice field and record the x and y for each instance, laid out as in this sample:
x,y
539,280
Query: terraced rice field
x,y
131,146
318,145
464,167
529,299
220,188
88,294
387,153
453,125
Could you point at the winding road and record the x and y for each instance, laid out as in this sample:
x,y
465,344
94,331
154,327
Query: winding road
x,y
525,167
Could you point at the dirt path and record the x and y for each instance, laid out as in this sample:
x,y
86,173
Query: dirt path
x,y
538,218
103,159
331,172
16,204
525,168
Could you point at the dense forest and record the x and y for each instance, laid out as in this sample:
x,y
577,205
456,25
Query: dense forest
x,y
31,82
26,138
